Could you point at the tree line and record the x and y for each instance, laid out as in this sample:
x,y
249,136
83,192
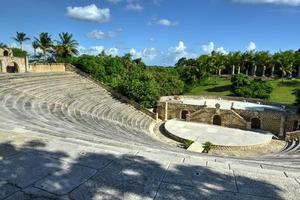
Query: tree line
x,y
256,63
145,84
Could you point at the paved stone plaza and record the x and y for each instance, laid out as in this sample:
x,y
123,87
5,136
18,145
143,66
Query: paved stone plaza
x,y
65,137
218,135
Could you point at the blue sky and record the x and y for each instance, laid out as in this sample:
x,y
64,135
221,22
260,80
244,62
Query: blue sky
x,y
159,31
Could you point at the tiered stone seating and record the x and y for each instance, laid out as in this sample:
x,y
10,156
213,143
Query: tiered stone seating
x,y
84,126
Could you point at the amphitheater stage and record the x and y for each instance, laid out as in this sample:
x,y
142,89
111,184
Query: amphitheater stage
x,y
218,135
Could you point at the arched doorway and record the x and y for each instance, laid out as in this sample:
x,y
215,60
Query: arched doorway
x,y
5,53
12,68
217,120
184,114
296,125
255,123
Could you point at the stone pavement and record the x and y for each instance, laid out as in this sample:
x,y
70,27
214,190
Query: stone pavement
x,y
42,167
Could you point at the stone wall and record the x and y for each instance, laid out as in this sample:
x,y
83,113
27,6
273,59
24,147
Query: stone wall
x,y
20,63
52,67
229,118
277,122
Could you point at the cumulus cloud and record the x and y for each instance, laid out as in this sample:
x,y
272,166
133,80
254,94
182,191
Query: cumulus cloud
x,y
221,50
251,46
95,50
282,2
178,52
210,47
134,7
163,22
98,34
89,13
148,54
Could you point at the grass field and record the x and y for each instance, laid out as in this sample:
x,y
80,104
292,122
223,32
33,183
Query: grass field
x,y
219,86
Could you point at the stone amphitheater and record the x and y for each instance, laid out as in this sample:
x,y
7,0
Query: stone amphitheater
x,y
63,136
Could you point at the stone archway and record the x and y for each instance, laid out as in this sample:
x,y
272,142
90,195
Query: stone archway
x,y
184,114
5,53
255,123
12,68
295,125
217,120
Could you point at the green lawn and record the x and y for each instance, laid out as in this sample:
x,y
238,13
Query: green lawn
x,y
217,86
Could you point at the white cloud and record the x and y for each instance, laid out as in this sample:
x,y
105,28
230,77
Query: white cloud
x,y
95,50
163,22
89,13
282,2
251,46
112,51
178,52
221,50
98,34
148,54
134,7
208,48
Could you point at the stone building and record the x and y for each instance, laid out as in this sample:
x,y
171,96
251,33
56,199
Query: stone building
x,y
231,112
11,64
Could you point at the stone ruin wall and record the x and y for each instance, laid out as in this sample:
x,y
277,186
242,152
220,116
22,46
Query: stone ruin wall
x,y
273,121
51,67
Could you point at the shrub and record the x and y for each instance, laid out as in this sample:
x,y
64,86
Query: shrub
x,y
243,86
207,146
18,52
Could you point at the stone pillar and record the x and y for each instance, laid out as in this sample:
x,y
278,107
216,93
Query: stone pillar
x,y
232,70
254,70
298,71
26,64
166,111
156,116
281,131
239,70
272,71
264,71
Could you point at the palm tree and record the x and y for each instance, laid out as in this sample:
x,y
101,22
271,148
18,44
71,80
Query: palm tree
x,y
20,38
67,46
35,46
2,45
263,60
45,43
234,60
285,61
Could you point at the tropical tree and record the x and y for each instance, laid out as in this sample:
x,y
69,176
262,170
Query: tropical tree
x,y
35,46
2,45
20,38
285,61
44,43
263,60
234,60
66,46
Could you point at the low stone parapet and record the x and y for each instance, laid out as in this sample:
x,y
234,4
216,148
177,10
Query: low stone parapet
x,y
292,135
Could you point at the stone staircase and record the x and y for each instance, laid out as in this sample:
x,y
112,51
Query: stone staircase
x,y
75,116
